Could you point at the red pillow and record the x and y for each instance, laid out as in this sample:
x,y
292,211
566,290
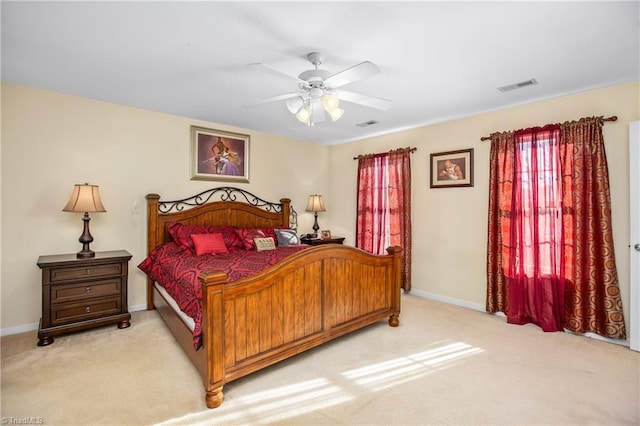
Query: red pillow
x,y
181,234
247,236
270,232
208,243
229,235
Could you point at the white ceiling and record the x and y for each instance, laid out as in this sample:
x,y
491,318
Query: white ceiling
x,y
438,60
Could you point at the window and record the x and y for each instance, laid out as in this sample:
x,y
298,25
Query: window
x,y
384,205
537,205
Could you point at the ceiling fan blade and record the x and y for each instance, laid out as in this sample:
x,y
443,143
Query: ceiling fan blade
x,y
271,99
356,72
276,72
369,101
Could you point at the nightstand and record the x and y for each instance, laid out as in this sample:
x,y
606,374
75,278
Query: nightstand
x,y
320,241
78,294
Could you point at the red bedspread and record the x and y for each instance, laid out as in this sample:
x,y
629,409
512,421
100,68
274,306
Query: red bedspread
x,y
176,269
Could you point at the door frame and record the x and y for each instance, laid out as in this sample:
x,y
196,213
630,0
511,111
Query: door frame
x,y
634,235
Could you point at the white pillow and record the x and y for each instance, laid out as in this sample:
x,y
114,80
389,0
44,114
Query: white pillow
x,y
287,237
266,243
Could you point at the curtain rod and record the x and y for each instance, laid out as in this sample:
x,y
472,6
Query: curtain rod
x,y
411,150
612,118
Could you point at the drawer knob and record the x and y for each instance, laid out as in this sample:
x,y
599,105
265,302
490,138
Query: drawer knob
x,y
89,271
87,309
87,289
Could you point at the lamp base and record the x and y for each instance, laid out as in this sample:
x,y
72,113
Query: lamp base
x,y
85,239
315,223
85,254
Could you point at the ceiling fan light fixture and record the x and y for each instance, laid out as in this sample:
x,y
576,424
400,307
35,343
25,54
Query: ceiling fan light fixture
x,y
330,102
294,104
319,89
304,115
336,113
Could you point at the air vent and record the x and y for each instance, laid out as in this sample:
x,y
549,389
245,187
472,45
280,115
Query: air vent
x,y
518,85
367,123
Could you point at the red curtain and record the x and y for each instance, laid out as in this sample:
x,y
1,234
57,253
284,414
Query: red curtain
x,y
384,205
501,160
536,245
593,302
550,256
400,209
372,221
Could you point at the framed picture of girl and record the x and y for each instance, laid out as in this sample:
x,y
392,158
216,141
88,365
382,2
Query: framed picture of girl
x,y
219,155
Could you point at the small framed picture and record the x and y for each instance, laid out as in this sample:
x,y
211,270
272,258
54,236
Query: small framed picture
x,y
218,155
452,168
325,234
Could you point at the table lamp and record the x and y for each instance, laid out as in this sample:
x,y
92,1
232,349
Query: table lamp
x,y
85,198
315,205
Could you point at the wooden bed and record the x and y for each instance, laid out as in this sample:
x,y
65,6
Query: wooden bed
x,y
311,297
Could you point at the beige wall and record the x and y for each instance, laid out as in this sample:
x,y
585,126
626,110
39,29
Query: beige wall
x,y
450,225
51,141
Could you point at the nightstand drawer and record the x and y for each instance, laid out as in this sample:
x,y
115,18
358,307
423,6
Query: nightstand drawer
x,y
72,312
84,272
85,290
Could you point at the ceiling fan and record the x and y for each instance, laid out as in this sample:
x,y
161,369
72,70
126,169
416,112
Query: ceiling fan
x,y
318,90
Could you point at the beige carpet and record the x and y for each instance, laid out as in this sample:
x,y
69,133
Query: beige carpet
x,y
443,365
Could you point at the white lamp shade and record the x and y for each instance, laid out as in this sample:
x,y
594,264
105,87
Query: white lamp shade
x,y
304,115
315,204
294,104
330,102
84,198
335,114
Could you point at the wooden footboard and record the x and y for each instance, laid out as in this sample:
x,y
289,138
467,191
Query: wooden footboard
x,y
312,297
309,298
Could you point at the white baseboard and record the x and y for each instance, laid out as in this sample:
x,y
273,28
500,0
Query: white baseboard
x,y
449,300
19,329
604,339
34,326
136,308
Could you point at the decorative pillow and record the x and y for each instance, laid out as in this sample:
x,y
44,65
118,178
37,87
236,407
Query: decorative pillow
x,y
267,243
229,235
209,243
270,232
287,237
181,234
247,236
